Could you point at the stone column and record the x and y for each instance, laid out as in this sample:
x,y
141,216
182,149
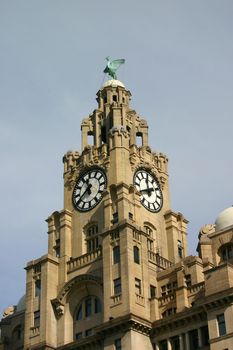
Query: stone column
x,y
187,341
169,346
181,342
199,337
84,136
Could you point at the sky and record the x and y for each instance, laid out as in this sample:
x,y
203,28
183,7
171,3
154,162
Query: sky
x,y
179,69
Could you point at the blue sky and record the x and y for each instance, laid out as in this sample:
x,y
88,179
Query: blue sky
x,y
179,69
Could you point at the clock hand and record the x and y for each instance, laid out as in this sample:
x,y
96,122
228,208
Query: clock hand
x,y
87,190
150,190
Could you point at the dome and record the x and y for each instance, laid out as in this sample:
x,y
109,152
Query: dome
x,y
21,304
113,83
224,219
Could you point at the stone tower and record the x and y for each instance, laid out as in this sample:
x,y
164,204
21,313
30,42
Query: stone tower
x,y
117,275
105,248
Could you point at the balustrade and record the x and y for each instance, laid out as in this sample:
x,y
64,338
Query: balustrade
x,y
159,260
83,260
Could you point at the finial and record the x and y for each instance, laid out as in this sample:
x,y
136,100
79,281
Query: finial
x,y
112,66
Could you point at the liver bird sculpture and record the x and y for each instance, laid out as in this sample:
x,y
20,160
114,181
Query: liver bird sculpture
x,y
112,66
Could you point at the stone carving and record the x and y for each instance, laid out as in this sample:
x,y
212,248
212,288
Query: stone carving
x,y
8,311
120,129
58,307
206,229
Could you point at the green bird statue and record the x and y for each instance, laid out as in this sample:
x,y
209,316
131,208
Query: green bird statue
x,y
112,66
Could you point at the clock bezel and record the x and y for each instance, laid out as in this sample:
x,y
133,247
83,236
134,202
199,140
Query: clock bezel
x,y
81,175
151,173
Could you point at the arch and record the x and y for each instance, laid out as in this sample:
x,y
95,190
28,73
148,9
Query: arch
x,y
59,302
69,298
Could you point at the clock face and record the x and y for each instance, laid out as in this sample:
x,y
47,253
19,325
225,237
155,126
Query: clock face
x,y
149,189
89,189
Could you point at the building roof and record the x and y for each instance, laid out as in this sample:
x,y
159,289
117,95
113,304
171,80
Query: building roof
x,y
113,83
224,219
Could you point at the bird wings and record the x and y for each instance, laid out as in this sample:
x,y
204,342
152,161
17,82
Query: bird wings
x,y
112,66
115,64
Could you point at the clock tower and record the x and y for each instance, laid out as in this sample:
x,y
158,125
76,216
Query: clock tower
x,y
117,275
97,287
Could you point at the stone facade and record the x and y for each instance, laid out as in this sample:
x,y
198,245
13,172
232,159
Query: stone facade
x,y
117,274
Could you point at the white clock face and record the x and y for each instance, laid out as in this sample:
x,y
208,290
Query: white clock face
x,y
149,189
89,189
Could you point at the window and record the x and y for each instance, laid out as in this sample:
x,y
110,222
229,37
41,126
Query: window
x,y
117,286
168,288
90,138
221,324
175,343
103,135
37,287
97,305
138,286
226,252
204,335
57,248
163,345
152,291
130,216
169,312
114,98
78,336
116,254
79,314
180,250
117,344
150,239
88,312
88,307
188,280
136,254
88,332
92,238
139,140
37,319
115,218
193,339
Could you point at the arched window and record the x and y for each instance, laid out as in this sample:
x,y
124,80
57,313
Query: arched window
x,y
87,314
226,252
92,238
150,238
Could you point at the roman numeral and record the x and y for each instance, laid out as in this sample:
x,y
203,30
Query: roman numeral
x,y
81,204
137,180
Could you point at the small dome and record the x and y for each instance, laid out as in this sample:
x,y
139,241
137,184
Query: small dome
x,y
21,304
113,83
224,219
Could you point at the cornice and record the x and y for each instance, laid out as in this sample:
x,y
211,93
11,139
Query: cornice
x,y
125,323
